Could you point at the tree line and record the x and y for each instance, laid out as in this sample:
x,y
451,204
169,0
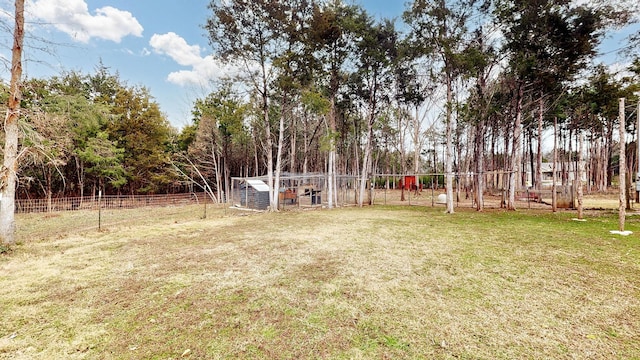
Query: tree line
x,y
482,79
456,86
81,133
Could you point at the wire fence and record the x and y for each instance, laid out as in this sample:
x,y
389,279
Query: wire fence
x,y
108,202
76,216
45,225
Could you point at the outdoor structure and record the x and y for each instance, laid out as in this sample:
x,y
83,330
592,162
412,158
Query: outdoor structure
x,y
295,190
310,191
566,170
254,194
411,182
565,173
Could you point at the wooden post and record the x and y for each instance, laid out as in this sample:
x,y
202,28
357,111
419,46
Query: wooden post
x,y
386,188
433,185
233,193
246,193
622,166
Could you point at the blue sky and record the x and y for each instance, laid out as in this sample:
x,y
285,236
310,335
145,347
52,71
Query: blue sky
x,y
159,44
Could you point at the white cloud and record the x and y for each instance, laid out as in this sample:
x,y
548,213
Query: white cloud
x,y
174,46
203,69
73,18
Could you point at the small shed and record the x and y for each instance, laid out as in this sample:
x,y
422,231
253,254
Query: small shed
x,y
254,194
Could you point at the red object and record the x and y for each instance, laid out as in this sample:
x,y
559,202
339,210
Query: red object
x,y
410,182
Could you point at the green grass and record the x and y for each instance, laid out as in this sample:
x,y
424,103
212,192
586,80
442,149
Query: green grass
x,y
381,282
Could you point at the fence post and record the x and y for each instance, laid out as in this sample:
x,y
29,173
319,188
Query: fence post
x,y
386,188
432,192
99,210
205,208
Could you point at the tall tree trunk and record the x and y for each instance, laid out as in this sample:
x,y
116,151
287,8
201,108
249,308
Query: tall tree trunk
x,y
273,206
417,143
366,160
505,161
636,173
565,165
589,164
591,167
215,158
401,140
609,153
623,171
580,174
596,162
538,179
294,149
49,187
570,157
256,158
331,171
554,193
81,179
226,172
457,147
227,184
305,157
516,150
468,158
494,164
525,154
449,154
530,158
603,163
331,167
356,170
479,162
273,186
8,172
278,169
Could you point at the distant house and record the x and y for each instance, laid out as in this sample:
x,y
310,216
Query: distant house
x,y
567,169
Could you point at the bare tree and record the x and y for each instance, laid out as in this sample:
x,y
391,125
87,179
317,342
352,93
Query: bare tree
x,y
8,172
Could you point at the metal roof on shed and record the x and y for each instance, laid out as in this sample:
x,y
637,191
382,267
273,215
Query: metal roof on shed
x,y
259,185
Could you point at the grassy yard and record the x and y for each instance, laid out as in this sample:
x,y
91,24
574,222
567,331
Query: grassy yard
x,y
373,283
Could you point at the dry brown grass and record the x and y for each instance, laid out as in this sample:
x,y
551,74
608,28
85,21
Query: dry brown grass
x,y
348,283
